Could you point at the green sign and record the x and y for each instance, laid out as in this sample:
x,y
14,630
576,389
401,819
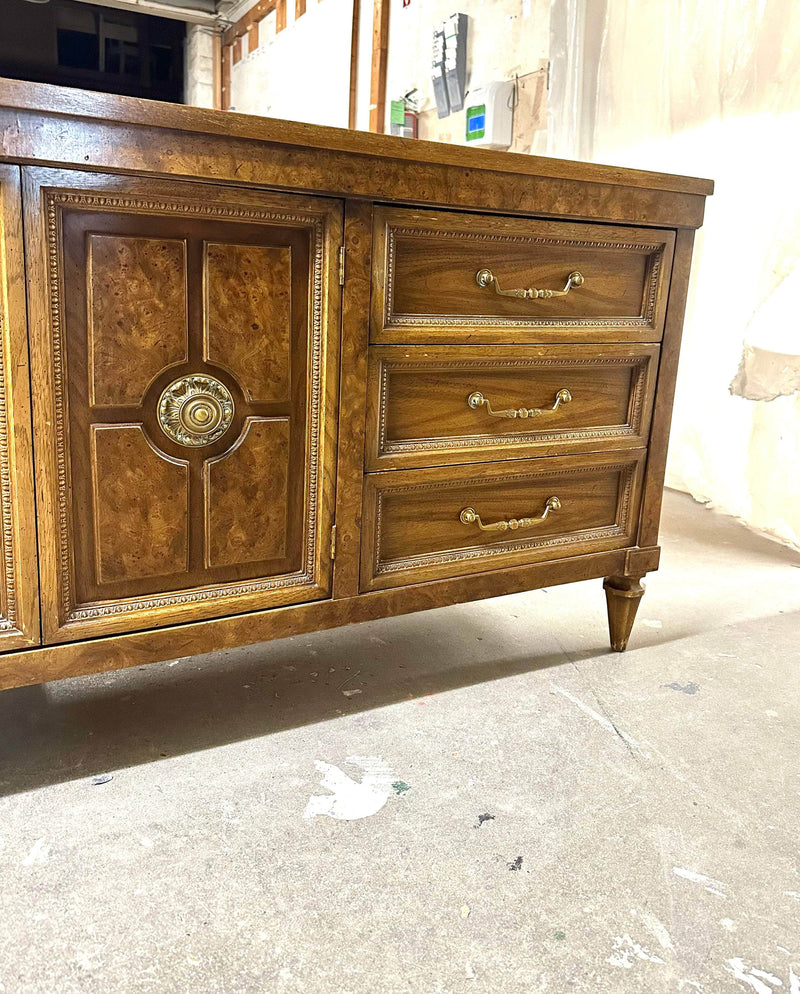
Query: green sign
x,y
397,113
476,122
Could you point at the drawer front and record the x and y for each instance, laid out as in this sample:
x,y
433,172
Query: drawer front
x,y
433,405
426,524
426,286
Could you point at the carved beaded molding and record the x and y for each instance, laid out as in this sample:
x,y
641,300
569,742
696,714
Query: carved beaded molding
x,y
8,622
57,200
654,250
389,366
617,530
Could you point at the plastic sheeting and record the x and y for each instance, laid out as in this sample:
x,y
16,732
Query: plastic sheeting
x,y
709,89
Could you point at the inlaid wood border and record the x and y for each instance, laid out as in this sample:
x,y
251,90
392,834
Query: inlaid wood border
x,y
377,572
383,454
644,320
391,223
322,219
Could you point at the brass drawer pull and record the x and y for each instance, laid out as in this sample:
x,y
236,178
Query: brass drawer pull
x,y
469,517
476,400
485,277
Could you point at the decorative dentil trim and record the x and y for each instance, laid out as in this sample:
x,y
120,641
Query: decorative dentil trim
x,y
56,200
8,622
182,597
654,250
388,366
618,529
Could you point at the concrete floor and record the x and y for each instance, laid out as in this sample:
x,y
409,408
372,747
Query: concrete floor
x,y
543,815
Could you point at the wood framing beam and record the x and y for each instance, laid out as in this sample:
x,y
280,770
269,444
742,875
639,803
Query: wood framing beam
x,y
380,51
225,76
280,16
218,61
351,116
299,8
253,16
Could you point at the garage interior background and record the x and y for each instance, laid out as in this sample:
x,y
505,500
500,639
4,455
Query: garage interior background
x,y
152,829
613,81
699,87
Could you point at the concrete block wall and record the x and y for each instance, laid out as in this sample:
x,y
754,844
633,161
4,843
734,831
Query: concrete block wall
x,y
198,66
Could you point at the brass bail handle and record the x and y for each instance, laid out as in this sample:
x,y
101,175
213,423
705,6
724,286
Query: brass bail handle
x,y
485,277
469,516
476,399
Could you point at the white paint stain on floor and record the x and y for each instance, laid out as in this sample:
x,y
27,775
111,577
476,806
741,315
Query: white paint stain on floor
x,y
39,853
657,929
711,885
626,951
350,799
759,980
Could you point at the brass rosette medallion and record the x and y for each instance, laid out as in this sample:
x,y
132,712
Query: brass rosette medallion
x,y
195,410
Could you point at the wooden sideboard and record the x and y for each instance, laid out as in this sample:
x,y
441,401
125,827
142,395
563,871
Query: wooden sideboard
x,y
262,378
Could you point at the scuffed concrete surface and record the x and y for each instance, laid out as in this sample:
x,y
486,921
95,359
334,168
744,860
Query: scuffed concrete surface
x,y
561,819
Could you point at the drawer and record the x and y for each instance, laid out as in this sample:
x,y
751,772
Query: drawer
x,y
426,279
425,524
429,405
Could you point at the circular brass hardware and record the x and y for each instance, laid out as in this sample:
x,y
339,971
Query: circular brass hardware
x,y
195,410
484,277
575,279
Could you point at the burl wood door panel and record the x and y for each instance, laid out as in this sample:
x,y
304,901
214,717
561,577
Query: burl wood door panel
x,y
425,524
186,350
19,595
437,405
426,288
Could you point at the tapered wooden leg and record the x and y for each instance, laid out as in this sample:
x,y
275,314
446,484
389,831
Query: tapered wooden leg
x,y
623,594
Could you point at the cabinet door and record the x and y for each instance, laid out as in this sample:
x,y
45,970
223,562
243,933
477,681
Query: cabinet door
x,y
19,596
185,349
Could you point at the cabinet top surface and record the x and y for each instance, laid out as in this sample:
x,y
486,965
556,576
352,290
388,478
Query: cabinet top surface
x,y
88,106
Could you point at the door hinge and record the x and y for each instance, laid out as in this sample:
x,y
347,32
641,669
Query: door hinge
x,y
341,266
333,542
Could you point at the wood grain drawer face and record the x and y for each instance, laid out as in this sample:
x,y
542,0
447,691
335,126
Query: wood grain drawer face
x,y
418,410
413,530
425,287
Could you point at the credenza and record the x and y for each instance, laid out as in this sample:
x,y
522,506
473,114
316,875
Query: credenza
x,y
262,378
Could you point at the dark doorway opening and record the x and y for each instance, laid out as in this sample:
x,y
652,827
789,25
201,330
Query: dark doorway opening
x,y
97,48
